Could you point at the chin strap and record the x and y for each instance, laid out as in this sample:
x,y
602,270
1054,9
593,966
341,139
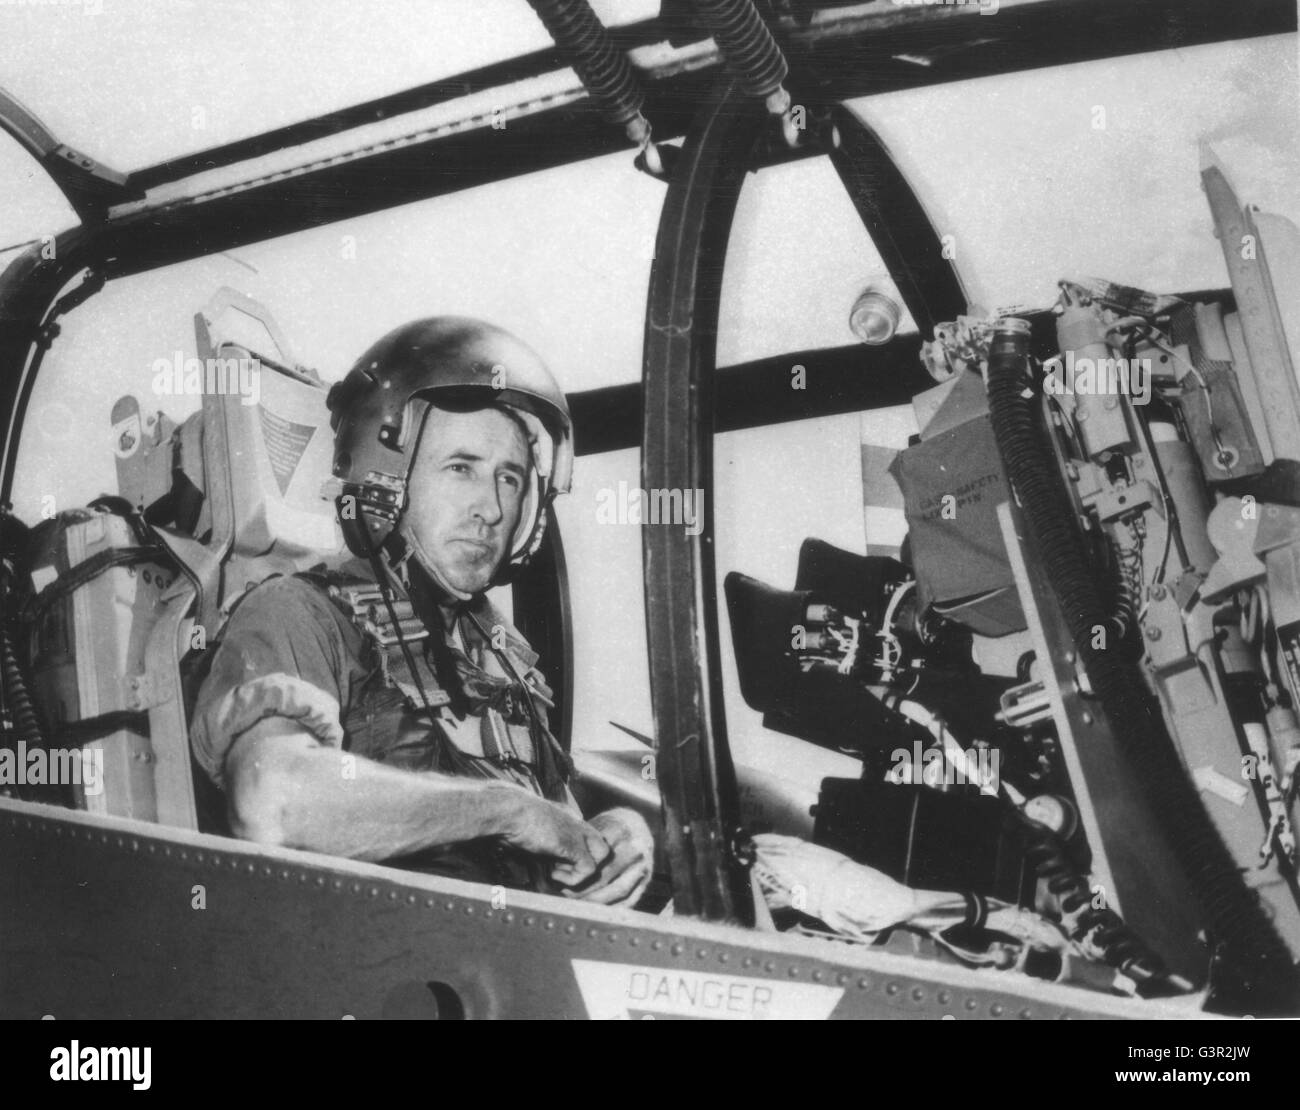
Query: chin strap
x,y
384,582
400,545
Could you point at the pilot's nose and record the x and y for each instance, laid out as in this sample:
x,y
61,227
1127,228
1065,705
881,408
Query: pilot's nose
x,y
486,503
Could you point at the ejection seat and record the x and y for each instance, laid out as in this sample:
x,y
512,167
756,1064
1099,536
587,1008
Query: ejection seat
x,y
141,586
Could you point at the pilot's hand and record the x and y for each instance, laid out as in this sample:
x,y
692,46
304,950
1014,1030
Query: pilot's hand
x,y
543,828
627,872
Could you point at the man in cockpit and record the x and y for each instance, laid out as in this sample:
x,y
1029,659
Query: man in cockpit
x,y
391,713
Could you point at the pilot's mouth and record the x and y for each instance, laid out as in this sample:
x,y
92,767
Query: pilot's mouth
x,y
479,545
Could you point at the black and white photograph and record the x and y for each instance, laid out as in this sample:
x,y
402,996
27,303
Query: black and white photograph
x,y
650,510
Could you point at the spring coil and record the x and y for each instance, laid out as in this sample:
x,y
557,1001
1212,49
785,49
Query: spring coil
x,y
745,41
1129,594
588,48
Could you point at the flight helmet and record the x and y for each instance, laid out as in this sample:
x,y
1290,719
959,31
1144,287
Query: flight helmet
x,y
378,412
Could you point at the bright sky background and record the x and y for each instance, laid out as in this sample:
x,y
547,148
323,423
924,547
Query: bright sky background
x,y
1013,168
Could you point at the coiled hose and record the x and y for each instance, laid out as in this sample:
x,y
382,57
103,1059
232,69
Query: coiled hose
x,y
1099,927
17,701
1255,960
23,724
588,48
745,41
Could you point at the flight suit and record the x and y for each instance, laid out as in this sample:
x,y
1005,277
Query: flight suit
x,y
319,650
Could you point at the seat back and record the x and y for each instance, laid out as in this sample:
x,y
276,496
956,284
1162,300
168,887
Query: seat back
x,y
234,495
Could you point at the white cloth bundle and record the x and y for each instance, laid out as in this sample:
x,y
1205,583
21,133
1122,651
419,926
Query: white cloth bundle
x,y
858,901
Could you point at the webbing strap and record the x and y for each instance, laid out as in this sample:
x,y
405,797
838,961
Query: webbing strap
x,y
88,570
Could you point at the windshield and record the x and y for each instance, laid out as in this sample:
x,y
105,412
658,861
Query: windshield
x,y
1094,169
1030,193
136,84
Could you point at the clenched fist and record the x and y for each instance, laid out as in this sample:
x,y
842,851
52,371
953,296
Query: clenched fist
x,y
626,872
543,828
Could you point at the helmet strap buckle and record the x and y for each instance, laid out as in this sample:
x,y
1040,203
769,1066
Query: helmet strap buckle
x,y
397,554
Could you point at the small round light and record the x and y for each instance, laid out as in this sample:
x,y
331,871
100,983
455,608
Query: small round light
x,y
874,318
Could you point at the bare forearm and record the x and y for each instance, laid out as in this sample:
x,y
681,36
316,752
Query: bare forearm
x,y
287,789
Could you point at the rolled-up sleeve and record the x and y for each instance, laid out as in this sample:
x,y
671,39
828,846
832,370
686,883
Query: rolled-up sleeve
x,y
286,652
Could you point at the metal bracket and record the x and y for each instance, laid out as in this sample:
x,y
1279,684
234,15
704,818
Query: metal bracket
x,y
89,186
142,692
1149,889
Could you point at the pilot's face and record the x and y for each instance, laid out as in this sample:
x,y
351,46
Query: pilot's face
x,y
467,489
